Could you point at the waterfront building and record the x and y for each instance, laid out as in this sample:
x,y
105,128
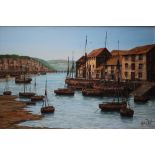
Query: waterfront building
x,y
111,71
81,67
139,63
95,59
135,64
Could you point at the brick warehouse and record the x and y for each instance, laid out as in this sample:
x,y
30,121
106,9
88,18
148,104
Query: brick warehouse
x,y
136,64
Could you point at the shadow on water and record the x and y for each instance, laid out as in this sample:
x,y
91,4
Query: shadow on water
x,y
48,115
109,112
124,118
141,103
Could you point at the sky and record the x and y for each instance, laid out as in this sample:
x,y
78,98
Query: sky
x,y
51,43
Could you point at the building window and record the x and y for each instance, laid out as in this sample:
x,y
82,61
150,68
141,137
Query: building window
x,y
140,57
132,75
140,66
112,67
126,74
126,65
133,58
133,66
126,57
140,75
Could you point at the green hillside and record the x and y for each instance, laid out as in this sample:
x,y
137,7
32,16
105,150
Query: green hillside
x,y
45,63
59,65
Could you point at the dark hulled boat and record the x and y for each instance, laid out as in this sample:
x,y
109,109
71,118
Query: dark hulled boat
x,y
46,108
126,112
141,99
36,97
21,80
49,109
112,106
92,92
64,91
109,89
26,94
30,103
76,87
6,90
7,93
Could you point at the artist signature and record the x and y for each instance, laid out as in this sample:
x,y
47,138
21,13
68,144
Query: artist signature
x,y
148,123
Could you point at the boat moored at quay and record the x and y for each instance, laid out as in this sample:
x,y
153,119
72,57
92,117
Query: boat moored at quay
x,y
67,91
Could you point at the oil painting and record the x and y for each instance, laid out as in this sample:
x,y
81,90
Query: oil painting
x,y
77,77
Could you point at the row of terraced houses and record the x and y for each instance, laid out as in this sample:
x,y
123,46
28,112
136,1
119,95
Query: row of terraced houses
x,y
135,64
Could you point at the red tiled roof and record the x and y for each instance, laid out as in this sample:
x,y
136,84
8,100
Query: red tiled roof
x,y
113,60
140,50
97,52
116,52
81,60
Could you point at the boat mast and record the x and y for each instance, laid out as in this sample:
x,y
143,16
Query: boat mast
x,y
46,93
72,67
35,85
6,84
118,44
72,64
105,47
68,68
24,77
118,72
86,58
106,40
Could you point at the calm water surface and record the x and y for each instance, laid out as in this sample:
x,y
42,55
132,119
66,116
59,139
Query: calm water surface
x,y
79,111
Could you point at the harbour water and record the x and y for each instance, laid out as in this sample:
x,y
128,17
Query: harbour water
x,y
80,112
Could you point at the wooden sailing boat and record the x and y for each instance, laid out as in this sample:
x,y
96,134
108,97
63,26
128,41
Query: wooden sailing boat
x,y
23,78
46,108
66,91
72,68
6,90
127,112
119,104
67,76
36,97
26,94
